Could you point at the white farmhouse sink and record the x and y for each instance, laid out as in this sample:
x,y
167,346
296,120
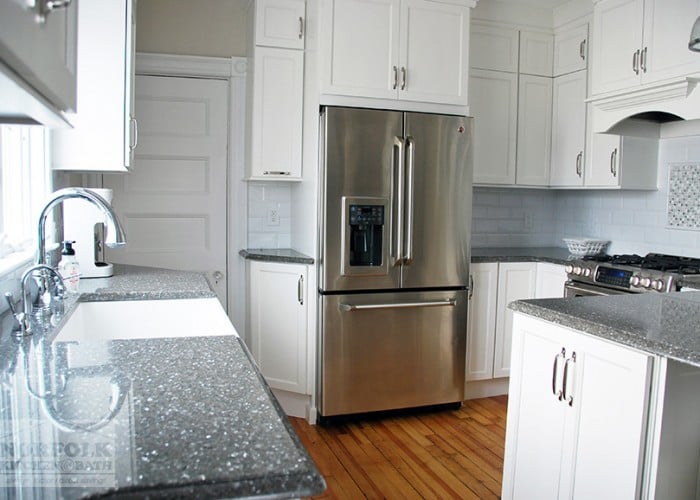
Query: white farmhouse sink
x,y
142,319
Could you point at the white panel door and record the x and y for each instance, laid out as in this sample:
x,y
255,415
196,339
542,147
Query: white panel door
x,y
363,48
516,281
430,28
481,321
173,204
280,23
536,53
493,48
603,167
494,105
570,50
534,130
568,129
550,281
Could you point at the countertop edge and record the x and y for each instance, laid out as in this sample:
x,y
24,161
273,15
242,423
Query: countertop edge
x,y
282,255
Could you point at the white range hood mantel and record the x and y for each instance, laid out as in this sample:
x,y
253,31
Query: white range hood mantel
x,y
678,97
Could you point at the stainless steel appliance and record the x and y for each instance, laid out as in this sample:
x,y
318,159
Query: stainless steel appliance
x,y
618,274
394,269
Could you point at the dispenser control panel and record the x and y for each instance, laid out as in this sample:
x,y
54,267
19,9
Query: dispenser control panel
x,y
363,215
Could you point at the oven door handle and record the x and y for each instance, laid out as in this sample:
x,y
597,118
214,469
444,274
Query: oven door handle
x,y
571,288
397,305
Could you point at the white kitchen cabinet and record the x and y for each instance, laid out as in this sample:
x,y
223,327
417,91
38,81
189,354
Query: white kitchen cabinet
x,y
636,42
516,281
550,281
481,328
570,50
37,62
568,129
494,106
104,133
280,23
622,162
494,48
277,323
275,88
578,404
393,56
534,131
536,53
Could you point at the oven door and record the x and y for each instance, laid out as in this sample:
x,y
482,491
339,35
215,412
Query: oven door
x,y
573,289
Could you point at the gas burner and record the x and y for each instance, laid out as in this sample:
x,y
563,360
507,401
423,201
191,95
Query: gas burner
x,y
627,260
671,263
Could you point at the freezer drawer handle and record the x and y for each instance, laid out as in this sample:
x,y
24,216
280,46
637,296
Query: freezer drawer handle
x,y
398,305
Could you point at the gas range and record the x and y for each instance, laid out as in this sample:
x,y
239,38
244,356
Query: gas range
x,y
609,274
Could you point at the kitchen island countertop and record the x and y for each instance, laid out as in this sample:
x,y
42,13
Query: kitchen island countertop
x,y
159,418
665,324
554,255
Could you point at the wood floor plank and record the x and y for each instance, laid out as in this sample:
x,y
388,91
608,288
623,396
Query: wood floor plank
x,y
447,454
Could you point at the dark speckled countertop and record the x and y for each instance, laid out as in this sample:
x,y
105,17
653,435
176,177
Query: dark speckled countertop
x,y
554,255
663,324
286,255
143,418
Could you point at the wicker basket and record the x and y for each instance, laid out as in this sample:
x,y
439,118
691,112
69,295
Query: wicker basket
x,y
581,247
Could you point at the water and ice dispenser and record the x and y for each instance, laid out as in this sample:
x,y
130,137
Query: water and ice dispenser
x,y
364,233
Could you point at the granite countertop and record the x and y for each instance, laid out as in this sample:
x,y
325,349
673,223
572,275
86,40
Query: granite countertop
x,y
554,255
665,324
172,417
286,255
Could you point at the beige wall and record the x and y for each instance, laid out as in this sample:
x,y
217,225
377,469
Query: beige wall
x,y
187,27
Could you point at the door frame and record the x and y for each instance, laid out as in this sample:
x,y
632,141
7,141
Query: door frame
x,y
233,70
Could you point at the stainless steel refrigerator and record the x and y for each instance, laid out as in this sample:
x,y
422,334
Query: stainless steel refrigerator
x,y
396,196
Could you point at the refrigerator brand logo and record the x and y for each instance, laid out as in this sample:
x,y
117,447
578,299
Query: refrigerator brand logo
x,y
461,129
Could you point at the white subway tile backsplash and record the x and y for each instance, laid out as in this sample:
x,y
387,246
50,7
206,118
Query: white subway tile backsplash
x,y
262,197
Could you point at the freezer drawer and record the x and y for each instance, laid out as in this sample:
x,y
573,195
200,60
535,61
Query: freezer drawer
x,y
383,351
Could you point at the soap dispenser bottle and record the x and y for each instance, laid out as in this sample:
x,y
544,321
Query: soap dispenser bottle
x,y
69,268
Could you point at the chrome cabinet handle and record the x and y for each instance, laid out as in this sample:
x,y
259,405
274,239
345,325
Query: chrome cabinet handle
x,y
301,27
398,193
300,290
555,369
635,62
46,7
396,78
471,287
613,161
134,139
404,81
397,305
579,157
276,172
570,398
643,60
410,181
582,49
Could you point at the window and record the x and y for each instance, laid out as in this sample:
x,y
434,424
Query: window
x,y
25,184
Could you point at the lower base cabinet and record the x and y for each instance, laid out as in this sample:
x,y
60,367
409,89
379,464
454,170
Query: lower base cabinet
x,y
277,323
577,415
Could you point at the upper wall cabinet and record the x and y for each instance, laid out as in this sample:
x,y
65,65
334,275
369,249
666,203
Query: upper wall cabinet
x,y
570,50
536,53
494,48
275,90
394,54
37,61
568,129
637,42
104,132
280,23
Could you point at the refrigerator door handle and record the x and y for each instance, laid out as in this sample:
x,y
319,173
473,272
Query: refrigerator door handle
x,y
398,305
397,208
410,177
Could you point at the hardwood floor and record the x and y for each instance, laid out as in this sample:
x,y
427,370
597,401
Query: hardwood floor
x,y
448,454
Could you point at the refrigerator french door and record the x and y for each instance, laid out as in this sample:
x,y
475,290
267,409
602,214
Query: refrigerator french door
x,y
394,266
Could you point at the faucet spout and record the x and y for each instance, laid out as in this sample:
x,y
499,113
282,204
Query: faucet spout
x,y
115,235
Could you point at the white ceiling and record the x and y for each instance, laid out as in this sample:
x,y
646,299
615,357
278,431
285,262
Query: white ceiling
x,y
545,4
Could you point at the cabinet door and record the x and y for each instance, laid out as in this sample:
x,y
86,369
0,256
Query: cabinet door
x,y
666,31
362,62
568,129
429,28
536,416
280,23
570,50
516,281
42,54
534,130
277,113
278,323
608,427
493,48
103,133
536,53
481,324
617,43
494,106
550,281
602,167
